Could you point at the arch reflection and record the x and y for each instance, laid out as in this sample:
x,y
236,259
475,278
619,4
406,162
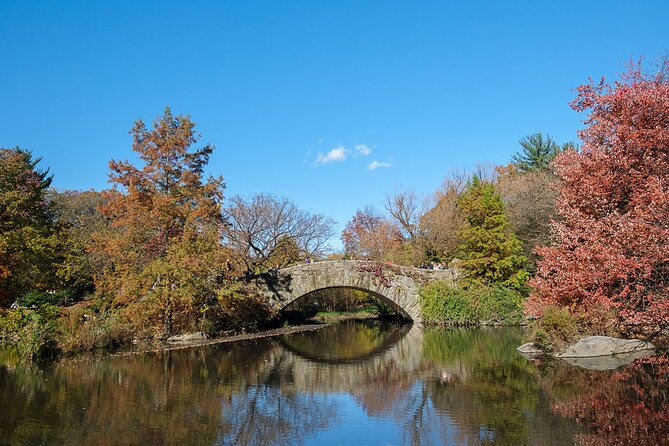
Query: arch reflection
x,y
346,342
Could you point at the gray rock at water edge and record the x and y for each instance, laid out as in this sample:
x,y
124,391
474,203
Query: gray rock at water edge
x,y
187,337
530,350
593,346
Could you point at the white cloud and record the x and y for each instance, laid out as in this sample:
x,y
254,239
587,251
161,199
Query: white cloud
x,y
337,154
377,164
362,149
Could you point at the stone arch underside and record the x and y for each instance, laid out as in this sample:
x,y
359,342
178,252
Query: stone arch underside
x,y
396,286
386,300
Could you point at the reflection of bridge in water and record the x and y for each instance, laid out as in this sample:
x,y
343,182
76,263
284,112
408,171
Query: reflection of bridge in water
x,y
319,348
396,286
398,358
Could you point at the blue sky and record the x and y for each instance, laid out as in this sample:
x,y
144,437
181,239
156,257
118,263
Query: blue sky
x,y
302,98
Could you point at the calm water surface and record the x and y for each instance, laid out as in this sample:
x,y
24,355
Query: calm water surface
x,y
349,384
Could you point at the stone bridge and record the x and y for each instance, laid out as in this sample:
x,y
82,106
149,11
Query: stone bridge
x,y
396,286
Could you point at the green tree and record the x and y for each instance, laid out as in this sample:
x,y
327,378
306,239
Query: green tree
x,y
27,241
537,151
490,251
77,218
163,251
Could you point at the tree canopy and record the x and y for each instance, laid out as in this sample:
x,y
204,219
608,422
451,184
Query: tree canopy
x,y
163,247
491,253
27,241
612,233
537,152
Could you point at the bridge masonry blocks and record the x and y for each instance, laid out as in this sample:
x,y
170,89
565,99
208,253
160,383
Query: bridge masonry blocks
x,y
397,286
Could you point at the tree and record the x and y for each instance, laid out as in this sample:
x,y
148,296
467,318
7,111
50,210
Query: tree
x,y
406,209
612,236
27,241
77,217
267,231
529,199
537,152
440,226
370,236
163,247
491,253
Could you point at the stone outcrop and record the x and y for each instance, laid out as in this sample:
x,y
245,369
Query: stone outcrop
x,y
596,352
593,346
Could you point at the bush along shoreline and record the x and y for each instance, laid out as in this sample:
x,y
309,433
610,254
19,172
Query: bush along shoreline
x,y
470,305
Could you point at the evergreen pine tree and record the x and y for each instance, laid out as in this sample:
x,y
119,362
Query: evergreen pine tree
x,y
537,152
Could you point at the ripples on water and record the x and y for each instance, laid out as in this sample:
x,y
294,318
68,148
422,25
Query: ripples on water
x,y
352,383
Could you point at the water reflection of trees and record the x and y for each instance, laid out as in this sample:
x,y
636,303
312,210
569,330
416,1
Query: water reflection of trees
x,y
265,415
629,405
488,390
179,397
437,387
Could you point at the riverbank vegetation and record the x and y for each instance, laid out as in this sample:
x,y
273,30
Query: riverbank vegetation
x,y
580,231
142,260
572,237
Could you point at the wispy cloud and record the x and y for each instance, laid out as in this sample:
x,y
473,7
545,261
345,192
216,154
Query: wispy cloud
x,y
378,164
337,154
362,149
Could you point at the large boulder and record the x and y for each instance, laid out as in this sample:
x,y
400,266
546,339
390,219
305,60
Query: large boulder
x,y
593,346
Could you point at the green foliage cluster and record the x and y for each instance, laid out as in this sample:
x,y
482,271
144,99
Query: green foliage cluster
x,y
28,243
556,329
537,152
51,330
33,332
491,253
443,304
35,299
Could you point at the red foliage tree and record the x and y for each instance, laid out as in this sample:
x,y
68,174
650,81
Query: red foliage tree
x,y
611,240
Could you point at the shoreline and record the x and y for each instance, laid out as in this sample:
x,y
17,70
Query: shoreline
x,y
223,340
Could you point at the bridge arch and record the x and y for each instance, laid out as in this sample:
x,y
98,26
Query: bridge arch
x,y
394,285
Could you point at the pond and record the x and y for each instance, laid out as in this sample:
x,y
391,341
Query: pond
x,y
357,382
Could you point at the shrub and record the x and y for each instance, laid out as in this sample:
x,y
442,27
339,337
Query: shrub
x,y
36,299
83,330
556,329
237,309
443,304
33,332
498,305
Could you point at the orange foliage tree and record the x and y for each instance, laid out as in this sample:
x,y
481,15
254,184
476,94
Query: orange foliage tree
x,y
370,236
612,232
163,246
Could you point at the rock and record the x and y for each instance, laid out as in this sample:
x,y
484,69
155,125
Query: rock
x,y
530,350
593,346
187,337
607,362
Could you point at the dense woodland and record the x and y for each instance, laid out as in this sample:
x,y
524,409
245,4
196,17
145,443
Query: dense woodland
x,y
572,235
